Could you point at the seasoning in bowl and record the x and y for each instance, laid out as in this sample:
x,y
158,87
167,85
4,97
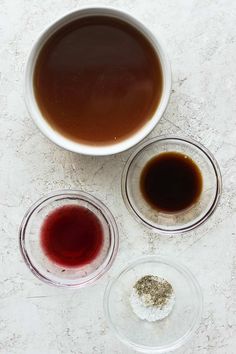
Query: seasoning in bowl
x,y
152,298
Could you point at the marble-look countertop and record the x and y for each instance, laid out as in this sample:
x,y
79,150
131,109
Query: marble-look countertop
x,y
200,38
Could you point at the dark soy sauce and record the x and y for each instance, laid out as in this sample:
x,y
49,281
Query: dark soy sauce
x,y
171,182
97,80
71,236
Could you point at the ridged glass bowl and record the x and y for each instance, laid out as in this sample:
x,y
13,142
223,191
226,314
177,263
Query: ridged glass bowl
x,y
41,265
181,221
164,335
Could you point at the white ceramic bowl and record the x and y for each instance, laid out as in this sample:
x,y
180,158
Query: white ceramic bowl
x,y
61,140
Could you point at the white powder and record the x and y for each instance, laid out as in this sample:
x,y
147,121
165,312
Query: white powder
x,y
151,313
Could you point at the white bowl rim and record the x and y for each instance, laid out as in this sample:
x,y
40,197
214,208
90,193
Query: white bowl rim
x,y
58,138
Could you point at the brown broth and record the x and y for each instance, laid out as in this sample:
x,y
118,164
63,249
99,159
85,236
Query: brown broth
x,y
97,80
171,182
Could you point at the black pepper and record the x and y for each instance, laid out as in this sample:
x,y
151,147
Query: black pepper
x,y
153,290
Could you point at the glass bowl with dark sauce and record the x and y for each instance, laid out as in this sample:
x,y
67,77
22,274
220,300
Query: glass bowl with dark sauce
x,y
68,239
171,184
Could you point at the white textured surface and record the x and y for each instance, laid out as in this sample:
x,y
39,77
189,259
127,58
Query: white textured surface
x,y
200,37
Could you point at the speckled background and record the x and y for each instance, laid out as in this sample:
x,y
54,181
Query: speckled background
x,y
200,38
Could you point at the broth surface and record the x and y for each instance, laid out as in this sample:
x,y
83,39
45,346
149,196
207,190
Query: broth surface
x,y
97,80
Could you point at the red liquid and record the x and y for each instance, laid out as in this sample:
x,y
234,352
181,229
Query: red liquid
x,y
71,236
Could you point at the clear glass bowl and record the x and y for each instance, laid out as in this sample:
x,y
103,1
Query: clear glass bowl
x,y
184,220
41,265
160,336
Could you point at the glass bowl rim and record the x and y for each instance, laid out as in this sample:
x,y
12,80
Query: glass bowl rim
x,y
114,234
209,156
190,279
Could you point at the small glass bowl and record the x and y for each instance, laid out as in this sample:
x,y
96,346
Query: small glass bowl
x,y
161,336
181,221
41,265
